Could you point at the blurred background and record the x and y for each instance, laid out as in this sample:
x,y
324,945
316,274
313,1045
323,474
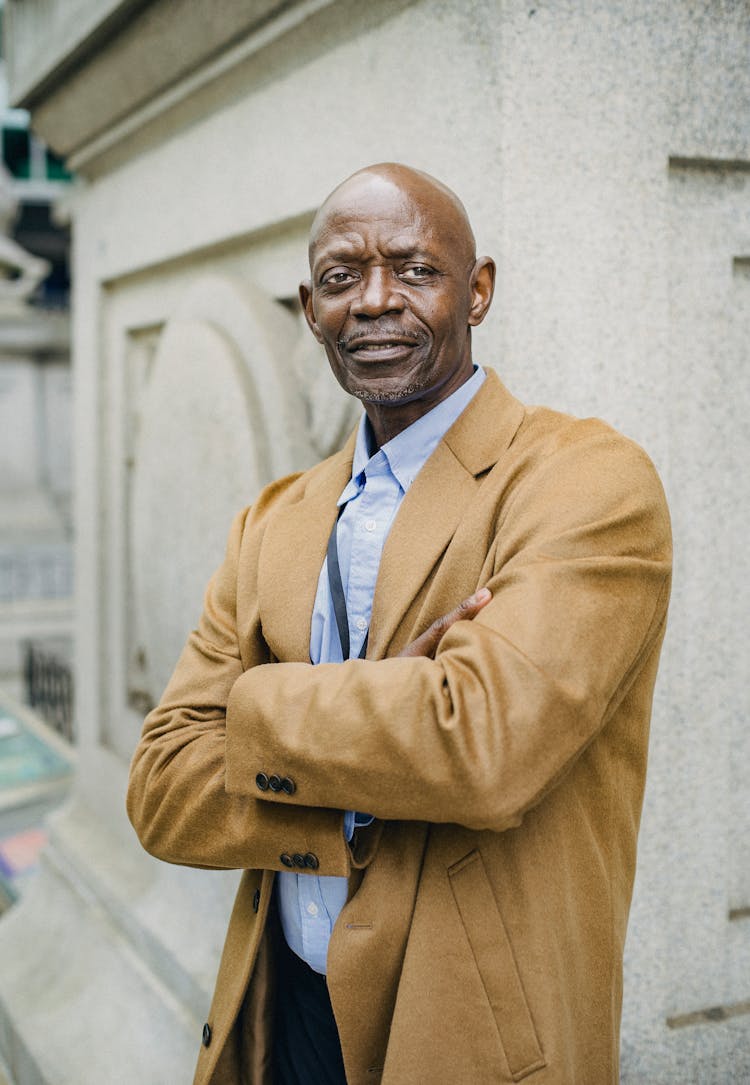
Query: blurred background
x,y
161,164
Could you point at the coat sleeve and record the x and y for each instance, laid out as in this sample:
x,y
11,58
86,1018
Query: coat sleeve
x,y
177,797
482,732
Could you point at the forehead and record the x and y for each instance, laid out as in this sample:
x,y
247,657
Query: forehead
x,y
374,213
352,223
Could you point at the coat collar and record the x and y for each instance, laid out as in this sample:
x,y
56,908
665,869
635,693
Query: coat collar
x,y
296,536
434,506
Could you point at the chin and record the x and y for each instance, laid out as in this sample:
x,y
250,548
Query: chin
x,y
388,395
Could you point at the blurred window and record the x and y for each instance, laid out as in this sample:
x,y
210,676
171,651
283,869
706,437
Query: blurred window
x,y
17,151
27,159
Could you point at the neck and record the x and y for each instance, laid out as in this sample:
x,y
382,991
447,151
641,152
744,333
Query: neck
x,y
388,419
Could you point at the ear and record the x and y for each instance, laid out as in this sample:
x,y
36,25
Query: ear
x,y
482,286
305,296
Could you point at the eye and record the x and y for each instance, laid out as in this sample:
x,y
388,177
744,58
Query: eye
x,y
417,273
337,276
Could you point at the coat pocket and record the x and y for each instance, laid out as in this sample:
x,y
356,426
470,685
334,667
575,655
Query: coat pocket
x,y
493,954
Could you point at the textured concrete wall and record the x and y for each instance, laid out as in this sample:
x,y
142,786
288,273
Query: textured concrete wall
x,y
603,151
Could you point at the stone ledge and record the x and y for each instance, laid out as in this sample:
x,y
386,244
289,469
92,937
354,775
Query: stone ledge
x,y
67,975
153,908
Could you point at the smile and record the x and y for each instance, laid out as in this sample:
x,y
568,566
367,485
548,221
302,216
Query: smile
x,y
386,344
376,348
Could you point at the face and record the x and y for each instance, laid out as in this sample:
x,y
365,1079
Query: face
x,y
394,291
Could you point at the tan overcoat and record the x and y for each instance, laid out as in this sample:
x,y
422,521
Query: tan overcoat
x,y
482,942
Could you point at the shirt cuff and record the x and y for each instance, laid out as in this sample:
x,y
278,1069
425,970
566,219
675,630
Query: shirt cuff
x,y
354,820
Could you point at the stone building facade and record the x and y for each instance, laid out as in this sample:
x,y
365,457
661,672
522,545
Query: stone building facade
x,y
35,401
603,151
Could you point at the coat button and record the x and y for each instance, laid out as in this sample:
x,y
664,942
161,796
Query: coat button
x,y
256,900
274,782
288,786
299,860
206,1038
261,781
286,860
311,861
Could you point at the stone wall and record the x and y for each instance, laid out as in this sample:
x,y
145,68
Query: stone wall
x,y
603,151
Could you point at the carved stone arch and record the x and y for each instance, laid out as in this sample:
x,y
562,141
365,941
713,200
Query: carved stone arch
x,y
221,415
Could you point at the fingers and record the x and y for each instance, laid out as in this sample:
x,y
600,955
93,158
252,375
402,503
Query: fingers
x,y
467,609
426,644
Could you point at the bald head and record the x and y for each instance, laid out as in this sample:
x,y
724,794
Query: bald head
x,y
433,205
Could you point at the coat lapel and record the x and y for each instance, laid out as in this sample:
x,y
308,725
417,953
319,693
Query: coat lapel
x,y
435,504
424,525
291,558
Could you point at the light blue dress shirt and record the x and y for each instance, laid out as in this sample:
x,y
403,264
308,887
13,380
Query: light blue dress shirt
x,y
309,904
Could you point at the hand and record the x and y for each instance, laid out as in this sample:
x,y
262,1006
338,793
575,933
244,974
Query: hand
x,y
426,644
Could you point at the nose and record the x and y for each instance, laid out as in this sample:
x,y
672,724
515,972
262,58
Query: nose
x,y
378,294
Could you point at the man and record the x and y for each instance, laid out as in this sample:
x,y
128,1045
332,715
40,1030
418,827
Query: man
x,y
450,822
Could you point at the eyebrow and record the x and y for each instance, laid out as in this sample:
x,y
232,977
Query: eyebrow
x,y
400,248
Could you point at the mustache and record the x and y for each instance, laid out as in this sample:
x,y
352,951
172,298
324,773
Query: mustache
x,y
384,331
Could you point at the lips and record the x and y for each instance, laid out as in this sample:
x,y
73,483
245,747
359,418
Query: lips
x,y
384,351
383,345
373,343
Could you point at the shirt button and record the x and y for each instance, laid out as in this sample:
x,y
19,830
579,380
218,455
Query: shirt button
x,y
361,624
312,908
370,525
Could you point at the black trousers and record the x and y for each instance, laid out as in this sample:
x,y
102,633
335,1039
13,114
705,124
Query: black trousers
x,y
306,1048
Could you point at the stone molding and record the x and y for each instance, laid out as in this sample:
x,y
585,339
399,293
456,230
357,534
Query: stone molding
x,y
86,93
221,407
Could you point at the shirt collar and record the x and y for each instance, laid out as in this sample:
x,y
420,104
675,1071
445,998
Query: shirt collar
x,y
407,453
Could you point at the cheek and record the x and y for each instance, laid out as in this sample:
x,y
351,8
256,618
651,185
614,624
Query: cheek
x,y
443,315
327,336
446,329
328,316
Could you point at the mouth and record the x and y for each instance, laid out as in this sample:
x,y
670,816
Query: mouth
x,y
383,348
